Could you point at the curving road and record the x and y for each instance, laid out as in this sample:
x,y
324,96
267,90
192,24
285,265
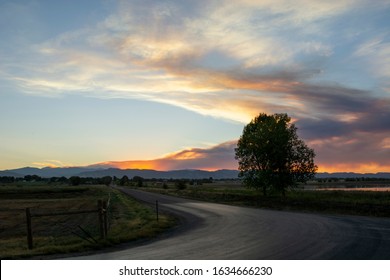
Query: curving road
x,y
216,231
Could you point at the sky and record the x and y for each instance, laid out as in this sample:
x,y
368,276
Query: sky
x,y
171,84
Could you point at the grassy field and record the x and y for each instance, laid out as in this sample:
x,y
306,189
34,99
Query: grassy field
x,y
368,203
128,219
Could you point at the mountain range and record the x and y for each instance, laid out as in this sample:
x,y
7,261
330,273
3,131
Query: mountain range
x,y
48,172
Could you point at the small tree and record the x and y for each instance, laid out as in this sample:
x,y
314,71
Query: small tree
x,y
139,181
271,156
75,180
124,181
180,184
106,180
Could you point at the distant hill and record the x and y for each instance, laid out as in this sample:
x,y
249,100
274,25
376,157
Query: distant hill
x,y
7,173
48,172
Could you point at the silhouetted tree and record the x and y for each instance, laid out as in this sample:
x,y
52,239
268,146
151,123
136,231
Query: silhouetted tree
x,y
34,178
124,181
7,179
180,184
271,156
75,180
139,181
106,180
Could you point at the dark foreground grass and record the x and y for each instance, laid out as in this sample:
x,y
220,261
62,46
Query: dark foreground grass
x,y
366,203
128,220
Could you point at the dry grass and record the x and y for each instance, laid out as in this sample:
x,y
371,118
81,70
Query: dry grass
x,y
128,220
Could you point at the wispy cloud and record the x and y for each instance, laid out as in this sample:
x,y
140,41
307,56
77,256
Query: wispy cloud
x,y
376,54
162,52
51,163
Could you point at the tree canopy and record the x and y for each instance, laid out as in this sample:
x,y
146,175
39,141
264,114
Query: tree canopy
x,y
270,155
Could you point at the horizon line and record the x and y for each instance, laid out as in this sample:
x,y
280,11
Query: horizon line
x,y
158,170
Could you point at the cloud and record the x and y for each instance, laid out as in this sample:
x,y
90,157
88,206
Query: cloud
x,y
358,152
51,163
217,157
353,141
375,52
352,153
160,51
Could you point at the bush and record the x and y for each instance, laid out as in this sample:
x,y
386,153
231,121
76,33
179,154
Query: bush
x,y
180,185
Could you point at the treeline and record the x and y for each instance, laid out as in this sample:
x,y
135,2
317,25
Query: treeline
x,y
74,180
142,182
355,179
106,180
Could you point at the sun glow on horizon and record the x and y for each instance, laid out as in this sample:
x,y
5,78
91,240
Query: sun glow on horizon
x,y
167,164
362,168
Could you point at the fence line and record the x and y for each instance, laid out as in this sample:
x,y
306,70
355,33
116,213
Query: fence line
x,y
102,210
64,213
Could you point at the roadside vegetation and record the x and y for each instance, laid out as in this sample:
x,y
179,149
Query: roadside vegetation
x,y
128,220
354,202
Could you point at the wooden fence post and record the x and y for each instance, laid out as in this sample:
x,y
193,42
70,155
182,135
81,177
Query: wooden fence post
x,y
157,210
105,219
100,213
29,229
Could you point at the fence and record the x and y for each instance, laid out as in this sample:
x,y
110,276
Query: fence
x,y
102,210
